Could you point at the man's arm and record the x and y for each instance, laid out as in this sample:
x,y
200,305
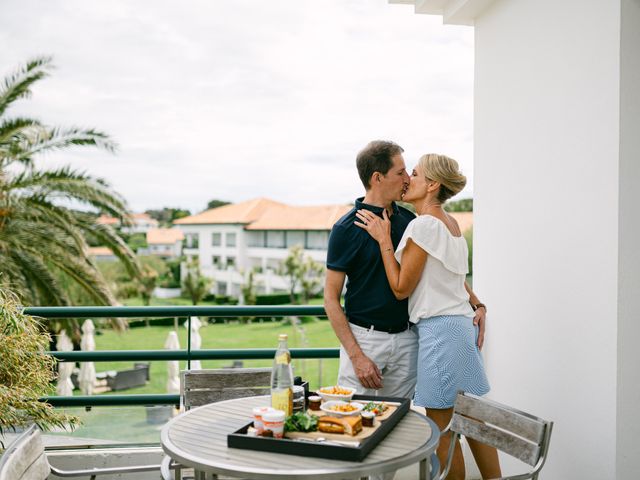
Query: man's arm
x,y
367,371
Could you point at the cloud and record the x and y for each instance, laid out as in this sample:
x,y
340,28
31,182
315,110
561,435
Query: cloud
x,y
235,98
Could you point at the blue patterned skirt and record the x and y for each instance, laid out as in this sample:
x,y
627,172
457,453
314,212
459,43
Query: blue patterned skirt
x,y
448,361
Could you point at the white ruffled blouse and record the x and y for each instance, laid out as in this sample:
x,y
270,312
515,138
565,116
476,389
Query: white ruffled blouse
x,y
440,290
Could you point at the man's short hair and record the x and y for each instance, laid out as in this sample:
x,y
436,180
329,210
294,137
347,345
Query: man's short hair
x,y
376,157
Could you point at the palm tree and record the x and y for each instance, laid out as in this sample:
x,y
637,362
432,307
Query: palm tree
x,y
43,231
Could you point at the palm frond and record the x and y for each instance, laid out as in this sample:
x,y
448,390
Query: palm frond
x,y
17,128
108,237
62,218
44,288
66,183
18,84
51,139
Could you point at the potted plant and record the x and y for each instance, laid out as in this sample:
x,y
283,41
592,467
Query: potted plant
x,y
26,373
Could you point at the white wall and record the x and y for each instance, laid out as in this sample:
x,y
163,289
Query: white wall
x,y
546,193
628,434
206,250
244,255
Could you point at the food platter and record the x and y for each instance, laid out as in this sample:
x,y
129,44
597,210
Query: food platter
x,y
328,445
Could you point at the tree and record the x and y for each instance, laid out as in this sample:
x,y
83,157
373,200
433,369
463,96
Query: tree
x,y
301,271
152,270
216,203
462,205
42,237
147,284
167,215
249,288
25,372
171,277
195,285
136,241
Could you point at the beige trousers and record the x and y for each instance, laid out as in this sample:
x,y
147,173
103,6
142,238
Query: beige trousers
x,y
395,354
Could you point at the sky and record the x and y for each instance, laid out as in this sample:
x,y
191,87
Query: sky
x,y
237,99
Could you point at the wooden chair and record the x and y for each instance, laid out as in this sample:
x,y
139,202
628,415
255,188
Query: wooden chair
x,y
25,459
514,432
201,387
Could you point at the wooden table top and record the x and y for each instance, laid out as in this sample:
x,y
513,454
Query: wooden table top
x,y
198,439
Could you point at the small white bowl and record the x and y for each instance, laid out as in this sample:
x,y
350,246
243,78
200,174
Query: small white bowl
x,y
326,408
328,397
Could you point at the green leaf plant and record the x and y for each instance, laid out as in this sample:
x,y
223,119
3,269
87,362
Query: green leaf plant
x,y
26,372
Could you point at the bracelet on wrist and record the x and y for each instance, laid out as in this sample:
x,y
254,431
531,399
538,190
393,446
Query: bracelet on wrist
x,y
480,305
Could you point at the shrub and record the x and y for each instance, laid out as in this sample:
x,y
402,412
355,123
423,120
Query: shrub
x,y
221,299
26,373
273,299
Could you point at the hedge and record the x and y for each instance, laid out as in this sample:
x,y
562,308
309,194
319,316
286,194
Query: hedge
x,y
273,299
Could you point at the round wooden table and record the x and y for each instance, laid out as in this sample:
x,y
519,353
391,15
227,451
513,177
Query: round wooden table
x,y
198,439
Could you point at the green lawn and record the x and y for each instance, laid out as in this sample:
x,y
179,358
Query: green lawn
x,y
313,333
129,424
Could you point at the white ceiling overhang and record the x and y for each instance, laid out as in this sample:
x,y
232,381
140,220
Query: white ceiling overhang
x,y
454,12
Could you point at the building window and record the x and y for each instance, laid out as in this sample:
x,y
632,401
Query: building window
x,y
191,239
216,239
275,239
255,239
222,288
231,261
230,239
317,240
295,238
215,261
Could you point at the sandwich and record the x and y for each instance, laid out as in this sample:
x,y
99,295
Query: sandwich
x,y
349,425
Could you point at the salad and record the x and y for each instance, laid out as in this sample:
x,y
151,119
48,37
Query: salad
x,y
301,422
377,408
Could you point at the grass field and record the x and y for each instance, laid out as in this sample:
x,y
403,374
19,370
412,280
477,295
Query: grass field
x,y
312,333
129,424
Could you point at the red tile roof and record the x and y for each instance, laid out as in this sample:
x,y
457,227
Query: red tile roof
x,y
164,236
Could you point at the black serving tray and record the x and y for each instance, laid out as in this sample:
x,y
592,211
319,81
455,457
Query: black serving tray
x,y
239,438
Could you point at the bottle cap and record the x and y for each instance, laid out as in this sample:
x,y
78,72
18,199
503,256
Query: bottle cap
x,y
283,336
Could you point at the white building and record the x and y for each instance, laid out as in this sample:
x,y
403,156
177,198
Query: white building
x,y
140,223
557,143
164,242
232,240
104,254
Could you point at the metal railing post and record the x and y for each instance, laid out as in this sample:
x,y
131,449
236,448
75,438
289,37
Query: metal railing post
x,y
189,343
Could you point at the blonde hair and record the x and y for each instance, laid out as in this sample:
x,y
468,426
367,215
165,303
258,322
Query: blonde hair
x,y
445,171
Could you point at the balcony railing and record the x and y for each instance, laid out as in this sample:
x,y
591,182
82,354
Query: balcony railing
x,y
186,354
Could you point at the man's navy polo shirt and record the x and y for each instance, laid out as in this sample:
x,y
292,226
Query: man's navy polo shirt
x,y
352,250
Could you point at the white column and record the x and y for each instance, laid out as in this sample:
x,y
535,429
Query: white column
x,y
553,224
628,388
556,221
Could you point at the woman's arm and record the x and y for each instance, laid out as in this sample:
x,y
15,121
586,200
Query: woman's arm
x,y
402,278
479,316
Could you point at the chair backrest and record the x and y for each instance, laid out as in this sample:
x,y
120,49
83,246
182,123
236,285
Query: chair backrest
x,y
514,432
25,459
199,387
